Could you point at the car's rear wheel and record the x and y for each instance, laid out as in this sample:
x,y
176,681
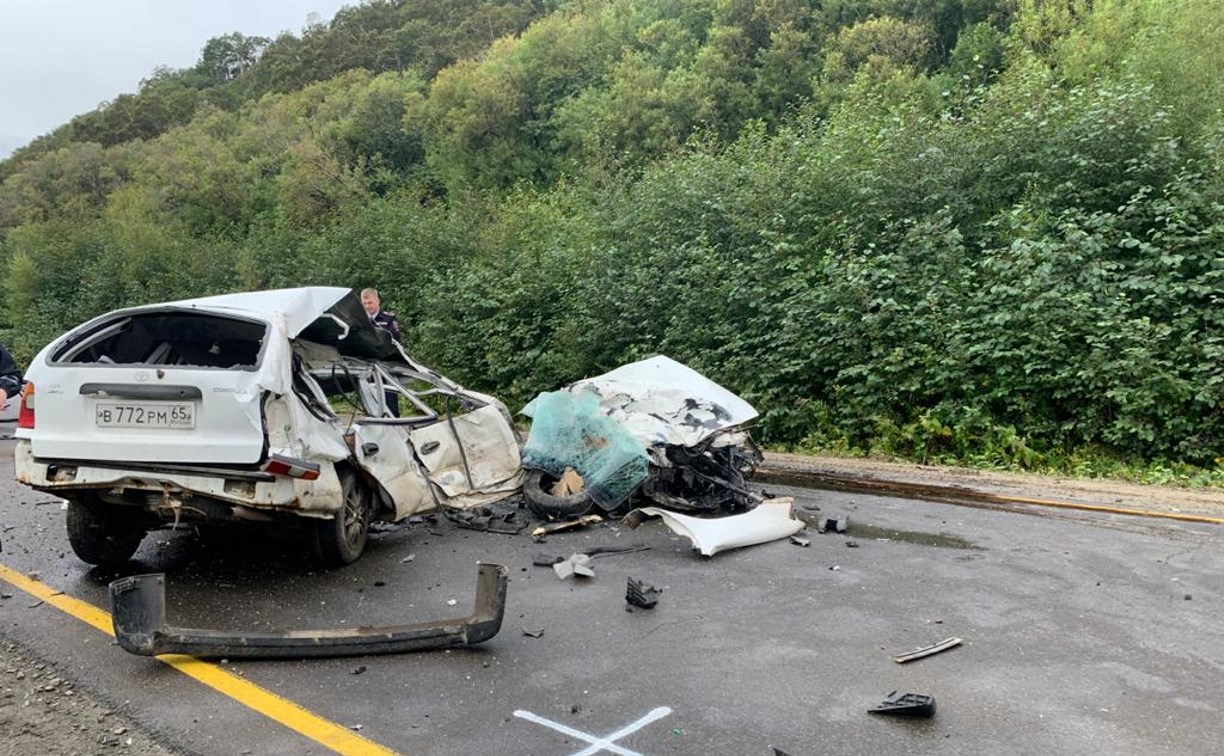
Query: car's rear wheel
x,y
340,540
102,534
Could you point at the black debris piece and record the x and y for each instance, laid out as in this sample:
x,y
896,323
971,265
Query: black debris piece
x,y
595,551
906,705
358,670
380,526
642,595
546,560
838,524
852,544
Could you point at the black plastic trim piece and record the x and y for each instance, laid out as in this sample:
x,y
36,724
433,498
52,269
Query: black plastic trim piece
x,y
142,391
138,608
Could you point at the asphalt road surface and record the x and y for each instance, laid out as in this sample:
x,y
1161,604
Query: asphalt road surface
x,y
1082,633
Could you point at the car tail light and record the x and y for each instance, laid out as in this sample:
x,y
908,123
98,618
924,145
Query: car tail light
x,y
294,468
25,407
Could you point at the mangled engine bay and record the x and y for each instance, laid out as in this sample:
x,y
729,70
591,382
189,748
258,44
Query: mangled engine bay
x,y
654,429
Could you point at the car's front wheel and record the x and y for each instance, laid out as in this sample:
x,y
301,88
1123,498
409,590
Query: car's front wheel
x,y
103,535
340,540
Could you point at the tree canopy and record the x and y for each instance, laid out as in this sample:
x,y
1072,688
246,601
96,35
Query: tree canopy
x,y
983,230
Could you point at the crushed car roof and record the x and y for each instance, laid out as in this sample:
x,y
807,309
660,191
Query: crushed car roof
x,y
323,314
299,307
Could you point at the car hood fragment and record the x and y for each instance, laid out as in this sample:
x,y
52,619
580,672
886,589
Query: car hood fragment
x,y
771,520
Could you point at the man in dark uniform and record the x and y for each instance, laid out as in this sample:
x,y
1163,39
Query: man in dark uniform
x,y
10,378
388,322
378,316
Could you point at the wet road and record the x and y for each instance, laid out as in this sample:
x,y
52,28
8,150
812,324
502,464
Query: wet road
x,y
1082,633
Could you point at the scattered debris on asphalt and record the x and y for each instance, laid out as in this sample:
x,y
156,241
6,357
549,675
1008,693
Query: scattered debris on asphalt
x,y
642,595
499,517
546,560
533,633
906,705
555,527
595,551
577,564
935,648
852,544
799,541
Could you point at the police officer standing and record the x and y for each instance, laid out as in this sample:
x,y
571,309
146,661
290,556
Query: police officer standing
x,y
378,316
388,322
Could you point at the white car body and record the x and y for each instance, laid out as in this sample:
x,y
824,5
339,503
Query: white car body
x,y
221,409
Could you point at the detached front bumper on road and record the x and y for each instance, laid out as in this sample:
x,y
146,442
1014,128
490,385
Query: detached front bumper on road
x,y
139,612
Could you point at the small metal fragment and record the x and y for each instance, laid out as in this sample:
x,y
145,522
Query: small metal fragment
x,y
798,541
577,564
943,645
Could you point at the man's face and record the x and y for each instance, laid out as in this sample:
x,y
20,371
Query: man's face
x,y
370,303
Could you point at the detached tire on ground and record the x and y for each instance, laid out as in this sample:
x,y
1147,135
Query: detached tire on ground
x,y
536,487
102,534
342,539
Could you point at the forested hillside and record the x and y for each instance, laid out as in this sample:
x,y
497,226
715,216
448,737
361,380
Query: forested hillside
x,y
983,230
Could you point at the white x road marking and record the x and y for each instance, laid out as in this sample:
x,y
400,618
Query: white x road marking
x,y
605,743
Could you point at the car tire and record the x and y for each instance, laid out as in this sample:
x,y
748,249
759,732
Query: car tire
x,y
537,483
103,535
342,539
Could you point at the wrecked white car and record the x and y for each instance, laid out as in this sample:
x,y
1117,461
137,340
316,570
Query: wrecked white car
x,y
283,406
653,429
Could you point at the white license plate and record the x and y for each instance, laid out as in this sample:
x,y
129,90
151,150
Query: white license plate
x,y
145,414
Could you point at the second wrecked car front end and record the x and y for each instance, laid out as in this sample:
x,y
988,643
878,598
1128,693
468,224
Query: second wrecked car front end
x,y
276,406
654,427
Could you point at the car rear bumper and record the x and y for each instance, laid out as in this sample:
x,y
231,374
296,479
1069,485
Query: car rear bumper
x,y
176,485
138,606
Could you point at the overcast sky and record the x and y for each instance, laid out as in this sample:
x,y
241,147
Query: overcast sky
x,y
61,58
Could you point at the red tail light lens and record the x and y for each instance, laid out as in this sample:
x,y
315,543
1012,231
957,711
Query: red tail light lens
x,y
293,468
25,410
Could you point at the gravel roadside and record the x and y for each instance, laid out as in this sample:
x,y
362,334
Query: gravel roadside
x,y
43,713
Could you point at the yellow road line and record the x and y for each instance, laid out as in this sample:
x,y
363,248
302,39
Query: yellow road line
x,y
281,710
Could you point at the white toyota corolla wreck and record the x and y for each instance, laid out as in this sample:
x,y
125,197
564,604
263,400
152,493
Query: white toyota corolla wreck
x,y
283,406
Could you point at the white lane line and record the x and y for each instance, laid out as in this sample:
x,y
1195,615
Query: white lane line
x,y
599,743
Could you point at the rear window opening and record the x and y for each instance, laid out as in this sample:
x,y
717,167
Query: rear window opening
x,y
186,339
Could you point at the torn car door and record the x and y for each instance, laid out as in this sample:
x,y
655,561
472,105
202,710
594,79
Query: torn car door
x,y
473,458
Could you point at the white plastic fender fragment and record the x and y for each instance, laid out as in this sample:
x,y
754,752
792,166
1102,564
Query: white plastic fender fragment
x,y
771,520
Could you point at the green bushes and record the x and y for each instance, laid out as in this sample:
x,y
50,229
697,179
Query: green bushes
x,y
918,232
